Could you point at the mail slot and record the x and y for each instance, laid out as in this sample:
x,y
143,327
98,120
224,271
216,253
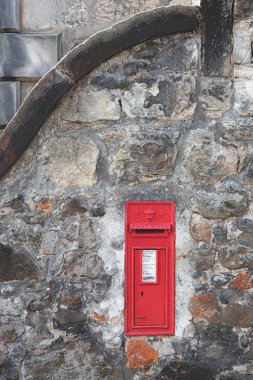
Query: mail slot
x,y
149,265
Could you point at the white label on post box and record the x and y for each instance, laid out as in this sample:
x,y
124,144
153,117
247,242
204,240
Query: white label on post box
x,y
149,265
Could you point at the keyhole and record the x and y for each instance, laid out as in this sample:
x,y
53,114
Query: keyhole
x,y
142,293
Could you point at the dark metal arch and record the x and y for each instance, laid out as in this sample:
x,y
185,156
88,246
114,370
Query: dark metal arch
x,y
80,61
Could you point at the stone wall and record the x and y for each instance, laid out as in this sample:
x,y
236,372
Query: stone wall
x,y
144,125
77,20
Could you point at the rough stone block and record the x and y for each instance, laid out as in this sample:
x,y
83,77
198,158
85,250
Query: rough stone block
x,y
218,280
15,265
145,157
243,8
140,354
242,281
205,160
205,307
72,162
238,315
170,96
220,205
92,106
200,228
215,96
243,31
178,370
218,341
178,53
236,257
244,97
202,259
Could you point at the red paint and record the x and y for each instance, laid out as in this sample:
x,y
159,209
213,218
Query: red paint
x,y
150,268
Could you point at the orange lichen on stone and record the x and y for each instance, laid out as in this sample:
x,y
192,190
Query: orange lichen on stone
x,y
140,354
204,307
99,318
44,206
242,281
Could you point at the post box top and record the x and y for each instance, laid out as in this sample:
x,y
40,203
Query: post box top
x,y
149,213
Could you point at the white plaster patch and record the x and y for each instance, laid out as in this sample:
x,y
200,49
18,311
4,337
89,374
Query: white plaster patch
x,y
184,242
112,228
184,291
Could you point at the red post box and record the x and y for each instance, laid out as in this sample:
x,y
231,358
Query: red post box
x,y
150,268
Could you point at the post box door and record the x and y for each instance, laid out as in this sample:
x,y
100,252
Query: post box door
x,y
150,287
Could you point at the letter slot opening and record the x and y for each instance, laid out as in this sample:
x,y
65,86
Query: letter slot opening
x,y
151,231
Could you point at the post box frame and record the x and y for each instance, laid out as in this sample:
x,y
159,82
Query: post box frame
x,y
168,247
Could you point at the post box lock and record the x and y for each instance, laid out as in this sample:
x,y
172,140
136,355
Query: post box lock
x,y
149,268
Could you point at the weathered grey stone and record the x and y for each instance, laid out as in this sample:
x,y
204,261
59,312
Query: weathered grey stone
x,y
10,332
39,323
243,8
219,280
215,96
73,207
218,341
245,224
244,97
170,96
178,370
11,307
248,173
244,341
219,234
242,42
200,228
202,259
108,80
219,205
65,318
9,371
205,160
246,239
236,257
16,265
71,361
238,315
72,162
92,106
177,53
145,157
